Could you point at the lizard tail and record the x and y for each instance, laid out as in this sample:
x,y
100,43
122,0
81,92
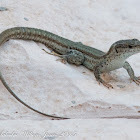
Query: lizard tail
x,y
55,42
51,40
11,91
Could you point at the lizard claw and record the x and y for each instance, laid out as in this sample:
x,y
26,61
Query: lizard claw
x,y
137,80
106,84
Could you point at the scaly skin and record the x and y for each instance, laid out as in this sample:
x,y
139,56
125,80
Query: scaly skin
x,y
78,54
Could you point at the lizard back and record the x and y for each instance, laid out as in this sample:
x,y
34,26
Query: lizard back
x,y
55,42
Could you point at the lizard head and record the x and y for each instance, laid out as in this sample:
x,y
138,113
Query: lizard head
x,y
125,48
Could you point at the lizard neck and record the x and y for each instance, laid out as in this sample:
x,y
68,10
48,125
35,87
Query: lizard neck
x,y
122,56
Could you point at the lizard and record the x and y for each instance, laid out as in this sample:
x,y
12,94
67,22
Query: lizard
x,y
77,53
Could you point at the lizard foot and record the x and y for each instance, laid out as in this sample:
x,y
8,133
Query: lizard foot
x,y
137,80
105,84
63,60
51,53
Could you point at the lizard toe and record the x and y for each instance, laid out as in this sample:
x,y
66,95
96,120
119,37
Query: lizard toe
x,y
107,85
137,80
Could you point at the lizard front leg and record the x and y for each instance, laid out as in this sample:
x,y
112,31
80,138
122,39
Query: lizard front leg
x,y
97,73
131,73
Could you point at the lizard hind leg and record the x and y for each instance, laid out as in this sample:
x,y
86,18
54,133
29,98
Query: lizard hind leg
x,y
62,57
74,57
71,56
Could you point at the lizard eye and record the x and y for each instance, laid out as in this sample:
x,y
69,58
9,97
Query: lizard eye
x,y
135,39
130,46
